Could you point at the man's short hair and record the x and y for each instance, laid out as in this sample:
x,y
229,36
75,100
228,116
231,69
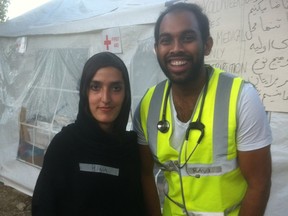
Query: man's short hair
x,y
202,18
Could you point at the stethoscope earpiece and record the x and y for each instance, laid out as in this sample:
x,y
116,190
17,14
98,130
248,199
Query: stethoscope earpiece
x,y
163,126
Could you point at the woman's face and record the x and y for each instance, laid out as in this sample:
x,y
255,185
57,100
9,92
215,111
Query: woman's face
x,y
106,95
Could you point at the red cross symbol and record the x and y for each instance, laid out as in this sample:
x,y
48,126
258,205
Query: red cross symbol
x,y
107,42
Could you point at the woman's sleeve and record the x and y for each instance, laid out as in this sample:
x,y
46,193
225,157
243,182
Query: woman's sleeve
x,y
44,200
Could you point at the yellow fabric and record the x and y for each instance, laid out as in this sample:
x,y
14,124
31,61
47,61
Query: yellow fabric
x,y
210,193
145,108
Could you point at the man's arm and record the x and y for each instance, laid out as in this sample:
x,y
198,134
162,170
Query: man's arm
x,y
148,182
256,168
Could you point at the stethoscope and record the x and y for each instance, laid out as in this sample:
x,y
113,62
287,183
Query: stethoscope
x,y
163,126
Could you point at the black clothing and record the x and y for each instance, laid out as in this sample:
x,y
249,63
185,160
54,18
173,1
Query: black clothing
x,y
63,189
87,171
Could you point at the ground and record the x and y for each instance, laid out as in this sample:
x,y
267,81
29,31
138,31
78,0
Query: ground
x,y
13,202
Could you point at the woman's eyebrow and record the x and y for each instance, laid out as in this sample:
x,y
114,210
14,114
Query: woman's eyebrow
x,y
113,82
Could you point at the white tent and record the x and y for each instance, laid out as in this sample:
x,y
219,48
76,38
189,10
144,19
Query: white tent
x,y
43,52
42,56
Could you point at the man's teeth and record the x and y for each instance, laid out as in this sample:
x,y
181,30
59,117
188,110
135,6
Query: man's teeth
x,y
178,63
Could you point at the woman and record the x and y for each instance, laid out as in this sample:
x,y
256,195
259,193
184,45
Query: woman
x,y
91,167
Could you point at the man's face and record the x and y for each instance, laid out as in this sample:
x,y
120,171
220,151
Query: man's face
x,y
180,49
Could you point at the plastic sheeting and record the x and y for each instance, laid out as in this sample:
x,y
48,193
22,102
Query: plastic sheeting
x,y
39,91
51,101
39,95
77,16
39,76
277,205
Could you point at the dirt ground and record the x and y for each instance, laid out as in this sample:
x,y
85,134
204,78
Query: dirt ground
x,y
13,202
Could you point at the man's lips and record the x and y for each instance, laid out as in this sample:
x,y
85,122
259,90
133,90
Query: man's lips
x,y
177,65
178,62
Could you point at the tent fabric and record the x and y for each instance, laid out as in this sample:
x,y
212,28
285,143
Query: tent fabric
x,y
78,16
39,72
39,87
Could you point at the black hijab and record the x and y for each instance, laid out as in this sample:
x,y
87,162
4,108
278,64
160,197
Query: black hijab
x,y
97,61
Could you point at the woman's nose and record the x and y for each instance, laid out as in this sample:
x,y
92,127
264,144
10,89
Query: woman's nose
x,y
105,95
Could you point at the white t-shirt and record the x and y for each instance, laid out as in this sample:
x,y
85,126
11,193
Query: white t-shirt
x,y
253,131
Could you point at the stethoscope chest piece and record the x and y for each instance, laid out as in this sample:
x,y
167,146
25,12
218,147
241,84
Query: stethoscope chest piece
x,y
163,126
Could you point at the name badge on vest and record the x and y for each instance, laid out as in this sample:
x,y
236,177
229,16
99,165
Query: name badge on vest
x,y
204,170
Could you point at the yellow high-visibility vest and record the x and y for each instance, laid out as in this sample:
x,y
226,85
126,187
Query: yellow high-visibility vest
x,y
210,181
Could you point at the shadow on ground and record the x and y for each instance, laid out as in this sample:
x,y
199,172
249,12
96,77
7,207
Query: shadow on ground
x,y
13,202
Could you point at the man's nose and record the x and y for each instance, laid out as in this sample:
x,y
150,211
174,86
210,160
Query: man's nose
x,y
177,46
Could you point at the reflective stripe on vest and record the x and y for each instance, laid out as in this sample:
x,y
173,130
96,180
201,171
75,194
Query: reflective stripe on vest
x,y
215,159
154,113
222,116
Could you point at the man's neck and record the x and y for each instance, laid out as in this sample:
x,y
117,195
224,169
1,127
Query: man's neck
x,y
185,96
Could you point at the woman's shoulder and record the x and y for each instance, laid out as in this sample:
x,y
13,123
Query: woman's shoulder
x,y
60,149
131,136
64,138
131,133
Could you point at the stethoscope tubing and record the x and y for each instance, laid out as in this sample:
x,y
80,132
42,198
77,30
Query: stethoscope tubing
x,y
163,126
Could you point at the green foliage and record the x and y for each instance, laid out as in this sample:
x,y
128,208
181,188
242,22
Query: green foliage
x,y
4,9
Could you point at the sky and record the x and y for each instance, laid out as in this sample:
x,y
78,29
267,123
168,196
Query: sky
x,y
19,7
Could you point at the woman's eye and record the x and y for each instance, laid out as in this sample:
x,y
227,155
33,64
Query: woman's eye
x,y
117,88
94,87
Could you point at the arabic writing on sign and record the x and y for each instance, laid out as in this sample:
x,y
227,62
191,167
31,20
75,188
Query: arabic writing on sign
x,y
254,46
268,42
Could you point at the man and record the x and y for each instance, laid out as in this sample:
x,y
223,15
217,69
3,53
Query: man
x,y
206,129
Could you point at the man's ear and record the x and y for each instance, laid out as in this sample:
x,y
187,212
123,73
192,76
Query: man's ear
x,y
155,47
208,46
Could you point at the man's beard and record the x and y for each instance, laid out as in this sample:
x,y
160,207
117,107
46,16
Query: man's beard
x,y
193,73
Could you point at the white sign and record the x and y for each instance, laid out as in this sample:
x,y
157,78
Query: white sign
x,y
111,40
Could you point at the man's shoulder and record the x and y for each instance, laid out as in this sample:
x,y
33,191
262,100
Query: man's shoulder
x,y
159,86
